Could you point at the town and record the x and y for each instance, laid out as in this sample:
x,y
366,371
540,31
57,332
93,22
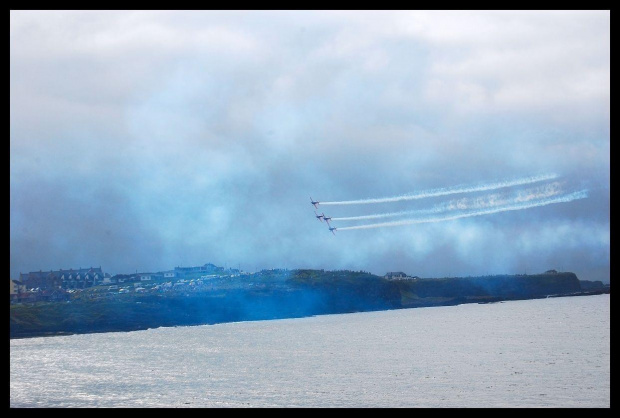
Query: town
x,y
61,285
93,283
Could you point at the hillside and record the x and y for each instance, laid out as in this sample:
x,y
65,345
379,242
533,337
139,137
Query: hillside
x,y
279,294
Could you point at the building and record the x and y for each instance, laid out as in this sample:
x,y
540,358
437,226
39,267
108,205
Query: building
x,y
65,279
17,288
150,276
196,272
20,294
398,275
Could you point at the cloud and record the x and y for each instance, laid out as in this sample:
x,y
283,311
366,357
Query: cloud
x,y
517,61
187,137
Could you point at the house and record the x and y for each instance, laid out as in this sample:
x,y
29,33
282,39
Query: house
x,y
197,271
398,275
150,276
27,297
17,288
394,275
66,279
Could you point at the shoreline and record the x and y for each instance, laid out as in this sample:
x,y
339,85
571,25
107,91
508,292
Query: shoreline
x,y
425,304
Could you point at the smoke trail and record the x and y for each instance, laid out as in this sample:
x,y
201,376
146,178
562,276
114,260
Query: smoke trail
x,y
520,206
448,191
480,202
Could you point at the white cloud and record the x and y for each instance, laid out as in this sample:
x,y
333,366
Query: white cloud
x,y
515,60
222,123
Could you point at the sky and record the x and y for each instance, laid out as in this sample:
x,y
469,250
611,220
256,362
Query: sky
x,y
441,143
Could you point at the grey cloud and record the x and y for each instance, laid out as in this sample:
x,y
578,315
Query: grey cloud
x,y
180,138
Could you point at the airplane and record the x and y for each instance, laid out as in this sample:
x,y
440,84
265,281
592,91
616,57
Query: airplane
x,y
333,228
319,216
316,204
326,218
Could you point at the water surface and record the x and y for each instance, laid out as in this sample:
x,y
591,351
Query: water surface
x,y
535,353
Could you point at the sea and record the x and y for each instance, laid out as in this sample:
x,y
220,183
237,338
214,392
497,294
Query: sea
x,y
541,353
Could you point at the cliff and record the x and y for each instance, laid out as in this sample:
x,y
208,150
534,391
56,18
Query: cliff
x,y
427,292
281,294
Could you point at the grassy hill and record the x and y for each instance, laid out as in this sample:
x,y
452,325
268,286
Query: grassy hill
x,y
272,295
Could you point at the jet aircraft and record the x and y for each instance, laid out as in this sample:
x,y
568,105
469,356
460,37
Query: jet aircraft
x,y
333,228
316,204
319,217
326,218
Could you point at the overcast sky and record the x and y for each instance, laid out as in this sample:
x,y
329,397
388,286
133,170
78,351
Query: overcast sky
x,y
461,143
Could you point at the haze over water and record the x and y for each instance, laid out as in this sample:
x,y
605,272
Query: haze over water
x,y
535,353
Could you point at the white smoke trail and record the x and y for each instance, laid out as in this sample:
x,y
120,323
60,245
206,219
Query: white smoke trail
x,y
383,215
480,202
519,206
448,191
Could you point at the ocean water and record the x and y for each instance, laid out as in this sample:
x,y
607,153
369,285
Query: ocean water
x,y
535,353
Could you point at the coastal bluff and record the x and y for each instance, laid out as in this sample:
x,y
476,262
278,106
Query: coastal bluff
x,y
476,289
279,294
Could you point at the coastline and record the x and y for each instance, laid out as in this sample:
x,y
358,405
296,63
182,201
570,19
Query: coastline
x,y
144,324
